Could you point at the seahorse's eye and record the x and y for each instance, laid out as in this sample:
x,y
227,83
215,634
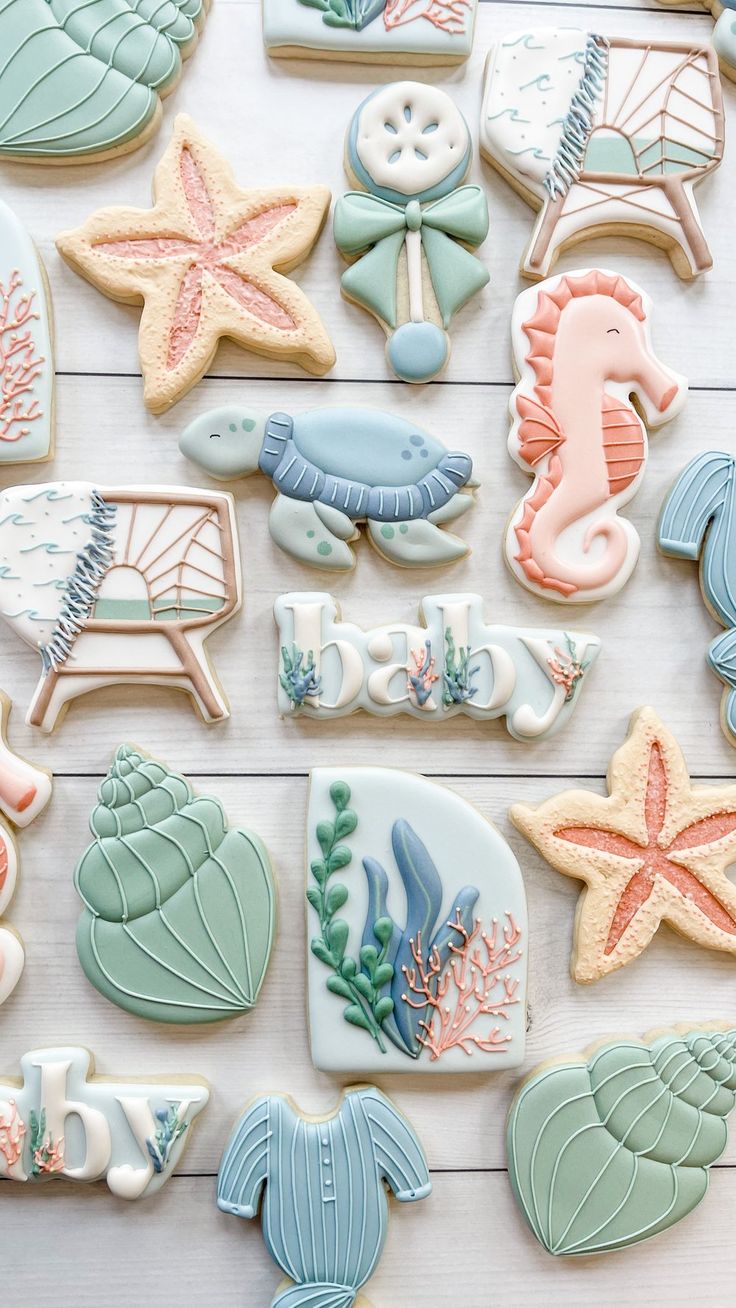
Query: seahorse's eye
x,y
215,436
613,331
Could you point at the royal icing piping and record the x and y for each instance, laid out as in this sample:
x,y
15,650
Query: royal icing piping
x,y
118,585
407,230
724,32
410,969
602,132
204,264
582,347
433,31
179,909
61,1120
454,663
335,468
610,1148
320,1184
26,357
655,849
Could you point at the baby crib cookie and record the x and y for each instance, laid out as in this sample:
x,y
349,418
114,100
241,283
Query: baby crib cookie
x,y
410,229
208,261
416,32
26,354
118,585
724,33
582,347
335,468
604,135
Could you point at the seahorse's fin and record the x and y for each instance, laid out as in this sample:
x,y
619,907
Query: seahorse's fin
x,y
539,431
623,443
542,491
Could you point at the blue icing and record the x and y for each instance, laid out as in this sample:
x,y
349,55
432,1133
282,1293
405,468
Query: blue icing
x,y
361,444
417,351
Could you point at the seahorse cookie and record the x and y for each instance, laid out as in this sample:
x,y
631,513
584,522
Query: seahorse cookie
x,y
83,81
118,585
582,352
724,32
604,136
26,351
321,1185
410,228
612,1146
333,469
417,32
179,908
61,1120
655,849
208,260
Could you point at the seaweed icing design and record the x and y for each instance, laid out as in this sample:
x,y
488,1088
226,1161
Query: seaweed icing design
x,y
20,362
566,667
171,1127
12,1134
458,673
47,1157
449,16
420,673
298,677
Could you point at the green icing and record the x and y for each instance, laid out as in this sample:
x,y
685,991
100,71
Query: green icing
x,y
388,532
163,609
324,548
611,153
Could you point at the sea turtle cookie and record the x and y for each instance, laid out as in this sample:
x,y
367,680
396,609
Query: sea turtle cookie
x,y
208,260
60,1120
604,135
655,849
333,469
615,1145
83,81
179,908
724,33
417,929
582,350
116,586
26,356
410,228
371,31
321,1185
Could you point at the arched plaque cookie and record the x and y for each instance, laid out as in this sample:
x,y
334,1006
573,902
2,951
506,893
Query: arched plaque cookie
x,y
26,355
407,32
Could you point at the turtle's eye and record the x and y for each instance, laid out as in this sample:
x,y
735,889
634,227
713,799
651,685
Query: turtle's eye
x,y
215,436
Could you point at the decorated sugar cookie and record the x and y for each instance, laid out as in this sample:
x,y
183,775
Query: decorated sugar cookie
x,y
582,346
60,1120
697,521
417,929
320,1184
179,909
82,81
455,662
335,468
208,261
410,229
26,356
116,586
371,31
655,849
724,33
604,135
610,1147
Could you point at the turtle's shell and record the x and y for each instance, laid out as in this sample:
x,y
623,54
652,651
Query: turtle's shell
x,y
366,445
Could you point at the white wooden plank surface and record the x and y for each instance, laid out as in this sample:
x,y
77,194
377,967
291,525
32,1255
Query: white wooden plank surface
x,y
467,1241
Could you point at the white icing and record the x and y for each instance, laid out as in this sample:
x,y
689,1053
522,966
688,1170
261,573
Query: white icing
x,y
57,1107
410,137
12,962
289,23
28,440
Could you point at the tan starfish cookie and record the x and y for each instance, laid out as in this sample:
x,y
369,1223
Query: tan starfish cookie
x,y
656,849
207,261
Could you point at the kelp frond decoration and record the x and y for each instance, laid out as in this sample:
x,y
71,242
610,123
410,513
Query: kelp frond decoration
x,y
566,668
355,14
12,1134
170,1128
457,674
421,677
299,677
46,1157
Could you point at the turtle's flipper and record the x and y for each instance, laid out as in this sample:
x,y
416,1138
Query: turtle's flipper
x,y
336,522
453,509
417,544
297,528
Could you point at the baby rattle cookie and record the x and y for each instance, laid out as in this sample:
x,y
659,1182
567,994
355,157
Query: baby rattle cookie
x,y
409,230
179,909
582,347
321,1183
655,849
26,353
371,31
333,469
208,261
604,136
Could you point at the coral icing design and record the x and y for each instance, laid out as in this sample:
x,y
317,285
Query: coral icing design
x,y
724,33
83,80
613,1146
371,31
333,469
321,1184
408,229
455,663
206,262
656,849
582,347
410,970
179,908
604,133
60,1119
118,585
26,359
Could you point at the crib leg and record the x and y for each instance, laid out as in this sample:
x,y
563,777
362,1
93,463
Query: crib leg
x,y
543,247
691,240
202,685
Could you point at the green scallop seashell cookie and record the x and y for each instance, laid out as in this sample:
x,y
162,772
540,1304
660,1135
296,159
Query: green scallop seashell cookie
x,y
180,909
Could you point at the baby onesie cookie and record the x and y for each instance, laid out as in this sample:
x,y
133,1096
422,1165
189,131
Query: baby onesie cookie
x,y
26,355
118,585
335,468
321,1183
409,969
371,31
59,1119
605,136
724,33
179,908
608,1148
82,81
582,347
454,663
655,849
207,261
410,228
